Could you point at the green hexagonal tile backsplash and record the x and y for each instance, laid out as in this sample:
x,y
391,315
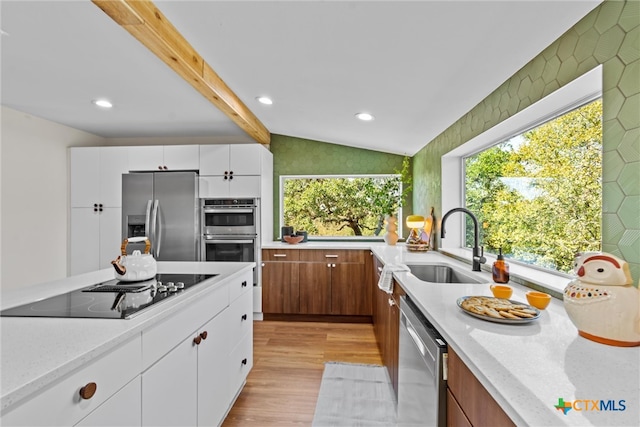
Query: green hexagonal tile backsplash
x,y
608,35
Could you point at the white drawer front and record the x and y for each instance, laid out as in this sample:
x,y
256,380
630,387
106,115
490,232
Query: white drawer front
x,y
61,403
240,363
160,339
241,318
240,285
124,409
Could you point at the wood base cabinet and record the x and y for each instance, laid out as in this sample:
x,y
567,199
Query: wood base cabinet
x,y
316,282
468,402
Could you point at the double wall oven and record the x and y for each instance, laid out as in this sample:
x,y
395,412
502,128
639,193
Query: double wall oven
x,y
230,229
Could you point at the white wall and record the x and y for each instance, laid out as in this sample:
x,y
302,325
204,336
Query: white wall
x,y
35,197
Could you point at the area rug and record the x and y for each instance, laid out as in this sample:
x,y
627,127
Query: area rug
x,y
355,395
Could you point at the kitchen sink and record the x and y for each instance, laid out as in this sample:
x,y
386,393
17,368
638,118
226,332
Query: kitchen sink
x,y
438,273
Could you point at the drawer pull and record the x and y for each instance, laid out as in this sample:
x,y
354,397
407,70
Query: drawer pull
x,y
244,361
88,391
331,256
279,255
244,317
244,284
391,302
204,335
197,340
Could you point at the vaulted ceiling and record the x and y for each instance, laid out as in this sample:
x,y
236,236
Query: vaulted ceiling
x,y
417,66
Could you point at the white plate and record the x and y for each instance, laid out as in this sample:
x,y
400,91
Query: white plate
x,y
496,320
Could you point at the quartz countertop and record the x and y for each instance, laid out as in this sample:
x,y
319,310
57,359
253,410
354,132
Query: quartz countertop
x,y
35,352
527,367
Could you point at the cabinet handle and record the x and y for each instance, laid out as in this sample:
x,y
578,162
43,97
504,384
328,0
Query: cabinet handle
x,y
197,340
331,256
230,177
244,317
329,265
279,255
226,172
391,302
225,177
204,335
88,391
160,167
263,264
165,167
244,361
244,284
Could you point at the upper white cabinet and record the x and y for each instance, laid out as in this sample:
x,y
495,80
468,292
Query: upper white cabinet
x,y
163,157
96,176
235,170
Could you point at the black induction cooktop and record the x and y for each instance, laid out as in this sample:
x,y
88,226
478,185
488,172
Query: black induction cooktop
x,y
112,299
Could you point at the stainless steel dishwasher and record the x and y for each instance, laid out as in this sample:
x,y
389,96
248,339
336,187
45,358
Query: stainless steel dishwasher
x,y
422,375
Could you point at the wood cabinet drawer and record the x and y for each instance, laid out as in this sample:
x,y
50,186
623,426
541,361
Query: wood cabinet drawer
x,y
333,256
240,285
280,255
61,404
455,415
241,317
161,338
474,400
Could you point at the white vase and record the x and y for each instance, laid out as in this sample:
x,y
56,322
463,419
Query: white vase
x,y
391,225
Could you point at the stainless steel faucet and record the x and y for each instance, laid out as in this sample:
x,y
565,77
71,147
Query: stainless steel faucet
x,y
478,251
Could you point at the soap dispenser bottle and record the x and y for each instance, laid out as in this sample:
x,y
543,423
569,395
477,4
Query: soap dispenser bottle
x,y
500,269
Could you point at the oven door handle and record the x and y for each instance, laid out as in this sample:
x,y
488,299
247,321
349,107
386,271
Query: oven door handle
x,y
209,241
227,210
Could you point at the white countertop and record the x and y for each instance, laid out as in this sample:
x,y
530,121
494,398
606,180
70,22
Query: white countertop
x,y
528,367
34,352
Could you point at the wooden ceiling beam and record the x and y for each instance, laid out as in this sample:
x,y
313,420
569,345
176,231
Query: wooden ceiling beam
x,y
143,20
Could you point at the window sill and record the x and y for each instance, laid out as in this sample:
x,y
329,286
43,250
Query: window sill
x,y
544,281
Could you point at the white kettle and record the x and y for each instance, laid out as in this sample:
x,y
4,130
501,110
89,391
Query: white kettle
x,y
137,266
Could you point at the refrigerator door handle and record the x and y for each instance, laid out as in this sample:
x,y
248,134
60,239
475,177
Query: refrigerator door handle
x,y
147,222
155,234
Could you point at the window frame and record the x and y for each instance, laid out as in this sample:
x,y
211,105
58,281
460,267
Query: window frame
x,y
379,238
581,91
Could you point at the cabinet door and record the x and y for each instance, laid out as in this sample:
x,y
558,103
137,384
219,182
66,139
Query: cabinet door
x,y
214,159
213,370
182,157
114,161
244,186
110,236
85,240
170,388
280,287
315,288
122,409
146,158
245,159
350,293
84,176
213,187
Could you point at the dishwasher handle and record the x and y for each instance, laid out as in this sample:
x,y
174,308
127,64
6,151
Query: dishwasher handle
x,y
420,345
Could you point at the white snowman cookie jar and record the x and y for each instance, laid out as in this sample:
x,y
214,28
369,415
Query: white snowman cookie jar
x,y
602,301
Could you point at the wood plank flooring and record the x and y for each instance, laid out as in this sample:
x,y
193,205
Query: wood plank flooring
x,y
282,388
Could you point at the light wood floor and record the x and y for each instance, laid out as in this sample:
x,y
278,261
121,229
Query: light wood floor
x,y
282,388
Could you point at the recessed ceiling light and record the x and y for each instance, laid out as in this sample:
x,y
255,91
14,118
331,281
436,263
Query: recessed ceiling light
x,y
103,103
264,100
366,117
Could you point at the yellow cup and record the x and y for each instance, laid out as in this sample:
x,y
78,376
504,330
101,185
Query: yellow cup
x,y
501,291
538,299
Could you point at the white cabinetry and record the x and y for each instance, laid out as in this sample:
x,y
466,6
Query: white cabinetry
x,y
234,170
196,381
163,157
63,404
123,409
96,198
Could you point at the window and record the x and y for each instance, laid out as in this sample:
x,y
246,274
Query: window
x,y
538,194
339,206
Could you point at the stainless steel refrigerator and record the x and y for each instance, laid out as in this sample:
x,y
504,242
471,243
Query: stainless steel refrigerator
x,y
164,207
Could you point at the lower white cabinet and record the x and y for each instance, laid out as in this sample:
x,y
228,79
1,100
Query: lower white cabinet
x,y
123,409
62,403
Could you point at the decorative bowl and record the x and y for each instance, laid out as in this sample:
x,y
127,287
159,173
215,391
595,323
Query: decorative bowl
x,y
538,299
501,291
292,240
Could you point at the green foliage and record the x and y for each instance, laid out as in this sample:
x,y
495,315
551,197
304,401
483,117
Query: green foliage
x,y
538,196
344,206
